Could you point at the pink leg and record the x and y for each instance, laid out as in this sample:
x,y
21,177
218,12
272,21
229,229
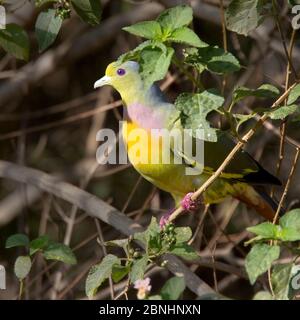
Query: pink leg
x,y
190,205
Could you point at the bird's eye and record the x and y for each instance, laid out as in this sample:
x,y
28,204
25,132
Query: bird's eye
x,y
121,72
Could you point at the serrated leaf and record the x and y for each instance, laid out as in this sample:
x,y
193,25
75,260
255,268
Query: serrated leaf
x,y
294,94
264,91
99,273
22,267
47,27
194,109
60,252
176,17
88,10
282,112
186,36
260,259
145,29
280,278
183,234
184,251
17,240
213,59
14,40
138,269
243,16
39,243
155,64
266,230
119,272
173,288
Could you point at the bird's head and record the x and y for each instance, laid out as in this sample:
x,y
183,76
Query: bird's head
x,y
124,77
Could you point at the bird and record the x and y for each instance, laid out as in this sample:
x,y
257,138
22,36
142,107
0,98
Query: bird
x,y
147,109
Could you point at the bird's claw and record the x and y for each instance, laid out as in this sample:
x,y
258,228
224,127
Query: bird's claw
x,y
189,204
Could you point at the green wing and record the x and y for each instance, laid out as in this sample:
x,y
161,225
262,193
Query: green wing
x,y
242,167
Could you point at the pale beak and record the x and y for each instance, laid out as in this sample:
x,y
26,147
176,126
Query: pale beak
x,y
102,82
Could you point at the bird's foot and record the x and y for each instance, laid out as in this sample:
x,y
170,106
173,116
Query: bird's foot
x,y
164,220
189,204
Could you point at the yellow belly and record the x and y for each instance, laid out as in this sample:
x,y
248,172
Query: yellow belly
x,y
142,148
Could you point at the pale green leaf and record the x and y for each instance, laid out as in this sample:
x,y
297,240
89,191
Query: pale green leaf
x,y
184,251
294,94
243,16
59,252
99,273
138,269
145,29
266,230
173,288
175,18
47,27
22,267
194,109
260,259
186,36
283,112
280,278
183,234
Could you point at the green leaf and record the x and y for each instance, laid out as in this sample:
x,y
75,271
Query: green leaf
x,y
60,252
290,224
260,259
263,295
213,59
294,94
173,288
183,234
150,237
88,10
243,16
194,109
280,278
119,272
186,36
47,27
17,240
264,91
175,18
242,118
39,243
184,251
22,267
145,29
14,40
155,64
99,273
138,269
282,112
266,230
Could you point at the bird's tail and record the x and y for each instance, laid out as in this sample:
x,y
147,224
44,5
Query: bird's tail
x,y
260,201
